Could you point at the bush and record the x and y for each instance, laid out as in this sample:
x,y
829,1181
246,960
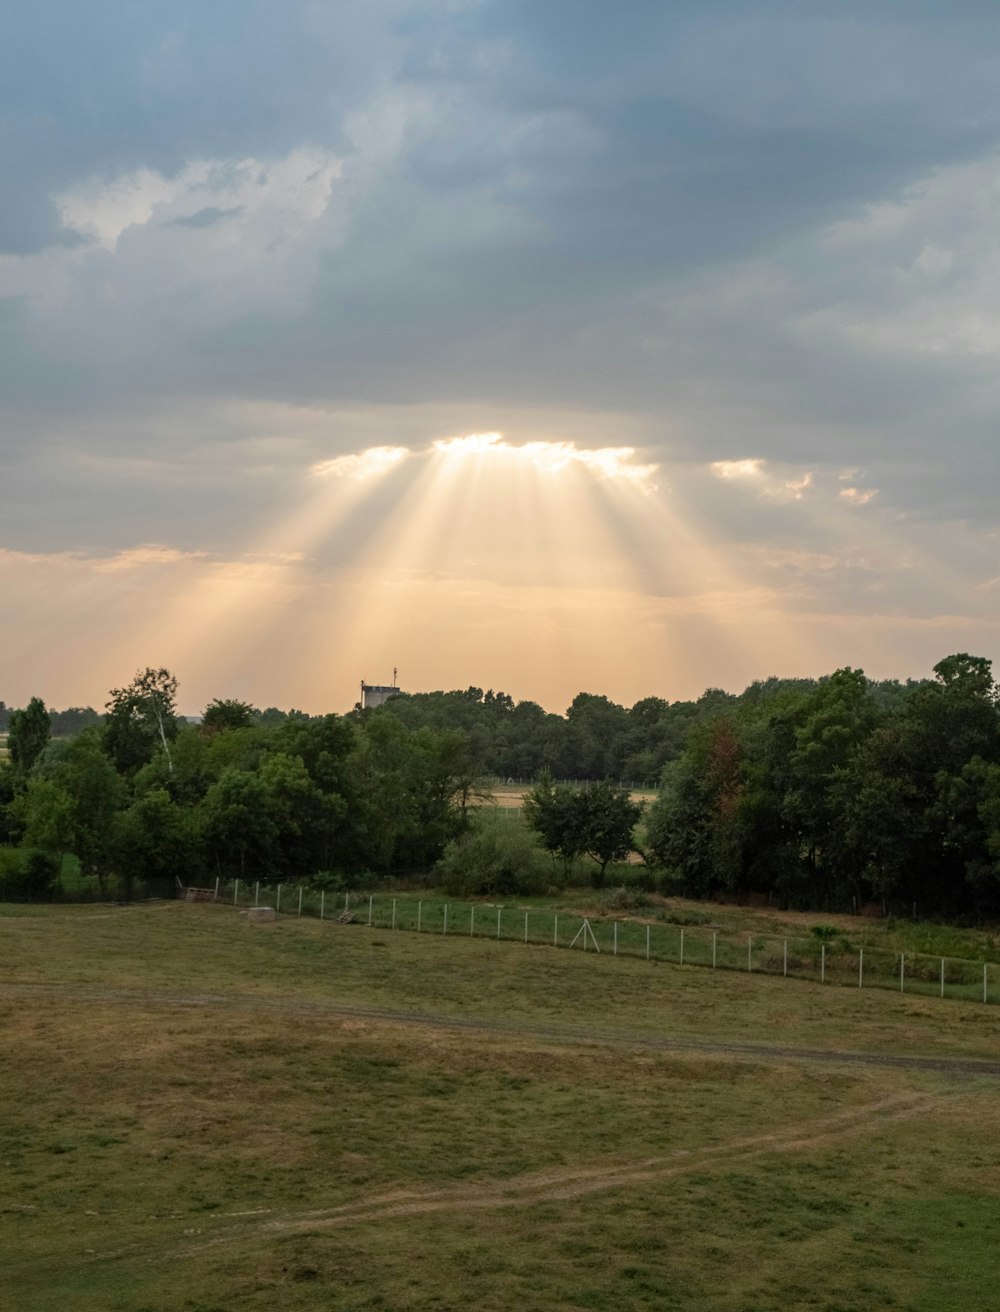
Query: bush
x,y
626,899
825,933
494,857
28,875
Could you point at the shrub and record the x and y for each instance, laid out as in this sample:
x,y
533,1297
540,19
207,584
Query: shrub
x,y
685,917
494,857
28,874
825,933
626,899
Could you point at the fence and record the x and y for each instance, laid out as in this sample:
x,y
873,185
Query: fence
x,y
808,959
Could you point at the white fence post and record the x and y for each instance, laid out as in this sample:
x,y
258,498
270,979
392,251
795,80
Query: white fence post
x,y
498,922
216,888
749,952
420,910
784,964
647,942
300,899
861,967
393,925
616,938
555,930
715,941
277,901
236,892
472,919
942,977
444,928
256,892
322,904
984,981
526,927
822,963
682,948
371,898
902,970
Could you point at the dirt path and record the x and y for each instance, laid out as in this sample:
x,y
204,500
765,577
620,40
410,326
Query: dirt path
x,y
554,1186
549,1033
527,1190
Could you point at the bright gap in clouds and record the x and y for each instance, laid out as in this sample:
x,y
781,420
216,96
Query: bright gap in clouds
x,y
552,457
538,566
482,542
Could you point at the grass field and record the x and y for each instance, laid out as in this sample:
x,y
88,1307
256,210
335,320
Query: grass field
x,y
512,795
199,1114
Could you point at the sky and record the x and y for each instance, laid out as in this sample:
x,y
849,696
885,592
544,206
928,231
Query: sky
x,y
541,345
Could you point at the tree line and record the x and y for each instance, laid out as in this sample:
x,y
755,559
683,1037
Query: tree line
x,y
838,792
840,796
145,795
595,739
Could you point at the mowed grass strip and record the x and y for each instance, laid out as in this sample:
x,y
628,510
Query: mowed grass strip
x,y
168,1157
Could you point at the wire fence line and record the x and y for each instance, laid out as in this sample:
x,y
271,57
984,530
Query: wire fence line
x,y
809,959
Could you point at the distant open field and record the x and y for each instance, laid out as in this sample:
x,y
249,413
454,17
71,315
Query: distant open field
x,y
198,1114
512,795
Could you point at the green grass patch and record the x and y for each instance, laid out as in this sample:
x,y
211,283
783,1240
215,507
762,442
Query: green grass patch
x,y
257,1152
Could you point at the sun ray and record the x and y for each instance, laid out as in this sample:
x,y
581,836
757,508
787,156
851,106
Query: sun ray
x,y
231,598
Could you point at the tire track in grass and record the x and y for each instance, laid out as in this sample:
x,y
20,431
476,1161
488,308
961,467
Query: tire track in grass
x,y
530,1189
547,1186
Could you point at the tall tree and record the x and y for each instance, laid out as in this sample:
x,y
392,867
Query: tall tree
x,y
29,732
141,716
73,806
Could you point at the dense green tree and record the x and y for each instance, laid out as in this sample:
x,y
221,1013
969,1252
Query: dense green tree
x,y
228,713
30,730
608,818
141,718
154,838
73,806
550,810
829,726
597,821
237,829
695,826
8,826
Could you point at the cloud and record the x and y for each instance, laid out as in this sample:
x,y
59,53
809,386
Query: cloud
x,y
552,457
242,243
361,465
208,216
751,468
858,497
755,472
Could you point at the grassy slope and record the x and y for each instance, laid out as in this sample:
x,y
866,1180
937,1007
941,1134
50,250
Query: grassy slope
x,y
177,1157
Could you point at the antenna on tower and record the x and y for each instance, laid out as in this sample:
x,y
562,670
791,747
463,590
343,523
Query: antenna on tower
x,y
394,673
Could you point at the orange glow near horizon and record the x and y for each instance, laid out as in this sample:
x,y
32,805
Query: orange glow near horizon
x,y
538,567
